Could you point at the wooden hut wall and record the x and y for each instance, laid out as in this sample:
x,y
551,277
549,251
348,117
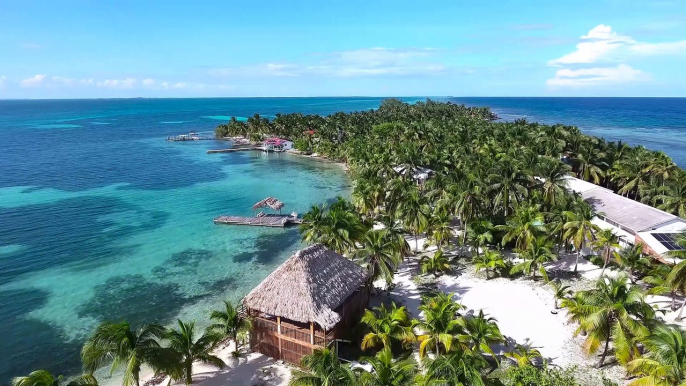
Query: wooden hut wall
x,y
351,311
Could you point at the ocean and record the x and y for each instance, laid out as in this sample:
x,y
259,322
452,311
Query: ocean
x,y
102,219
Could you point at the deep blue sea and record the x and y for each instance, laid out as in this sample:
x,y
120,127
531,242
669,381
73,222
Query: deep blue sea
x,y
656,123
102,219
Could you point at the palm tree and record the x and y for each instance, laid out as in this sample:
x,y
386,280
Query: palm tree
x,y
673,197
535,255
323,369
579,228
613,310
665,362
468,201
607,243
413,211
482,332
439,229
524,227
553,180
378,255
45,378
396,234
387,325
633,261
560,291
229,323
657,279
387,372
490,260
590,166
184,349
676,280
509,184
440,326
437,264
118,343
480,234
524,355
312,227
341,229
455,368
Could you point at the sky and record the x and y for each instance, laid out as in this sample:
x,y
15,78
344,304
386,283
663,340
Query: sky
x,y
231,48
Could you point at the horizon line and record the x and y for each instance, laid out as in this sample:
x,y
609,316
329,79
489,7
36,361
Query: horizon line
x,y
347,96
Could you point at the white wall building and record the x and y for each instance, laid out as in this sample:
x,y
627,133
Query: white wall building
x,y
633,222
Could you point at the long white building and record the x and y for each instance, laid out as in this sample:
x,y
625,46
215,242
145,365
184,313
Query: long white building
x,y
631,220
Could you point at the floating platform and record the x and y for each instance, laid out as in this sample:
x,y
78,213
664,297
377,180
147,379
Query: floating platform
x,y
267,220
233,149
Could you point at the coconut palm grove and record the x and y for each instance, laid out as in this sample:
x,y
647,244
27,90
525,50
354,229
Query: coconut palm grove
x,y
497,203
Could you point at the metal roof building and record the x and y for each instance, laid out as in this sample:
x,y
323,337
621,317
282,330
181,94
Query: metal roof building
x,y
632,221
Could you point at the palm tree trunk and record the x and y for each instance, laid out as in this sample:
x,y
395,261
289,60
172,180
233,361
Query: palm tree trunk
x,y
416,243
189,373
682,309
604,265
602,357
464,235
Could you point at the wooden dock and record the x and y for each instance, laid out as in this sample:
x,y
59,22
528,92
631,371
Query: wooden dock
x,y
267,220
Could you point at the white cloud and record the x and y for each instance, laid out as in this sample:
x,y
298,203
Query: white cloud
x,y
603,44
34,81
148,82
117,83
602,57
3,79
671,48
599,42
257,70
596,76
60,81
350,63
89,82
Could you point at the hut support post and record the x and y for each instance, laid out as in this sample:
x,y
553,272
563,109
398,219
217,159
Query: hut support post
x,y
278,326
312,335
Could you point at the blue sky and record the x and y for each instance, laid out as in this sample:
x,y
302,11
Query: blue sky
x,y
93,49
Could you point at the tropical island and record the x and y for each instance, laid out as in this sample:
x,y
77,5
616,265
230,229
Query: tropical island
x,y
464,241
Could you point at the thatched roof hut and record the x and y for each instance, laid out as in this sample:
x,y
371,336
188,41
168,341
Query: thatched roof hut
x,y
271,202
308,287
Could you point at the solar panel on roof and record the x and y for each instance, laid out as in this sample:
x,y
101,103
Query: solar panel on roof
x,y
668,240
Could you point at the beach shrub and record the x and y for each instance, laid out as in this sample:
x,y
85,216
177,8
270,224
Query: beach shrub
x,y
302,145
534,376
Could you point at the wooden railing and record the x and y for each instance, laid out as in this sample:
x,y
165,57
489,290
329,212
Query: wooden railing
x,y
294,333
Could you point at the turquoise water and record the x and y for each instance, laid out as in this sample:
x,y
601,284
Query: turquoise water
x,y
102,219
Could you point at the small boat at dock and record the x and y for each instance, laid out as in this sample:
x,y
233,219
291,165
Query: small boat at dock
x,y
192,136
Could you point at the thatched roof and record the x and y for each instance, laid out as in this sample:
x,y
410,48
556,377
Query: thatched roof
x,y
270,202
308,287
